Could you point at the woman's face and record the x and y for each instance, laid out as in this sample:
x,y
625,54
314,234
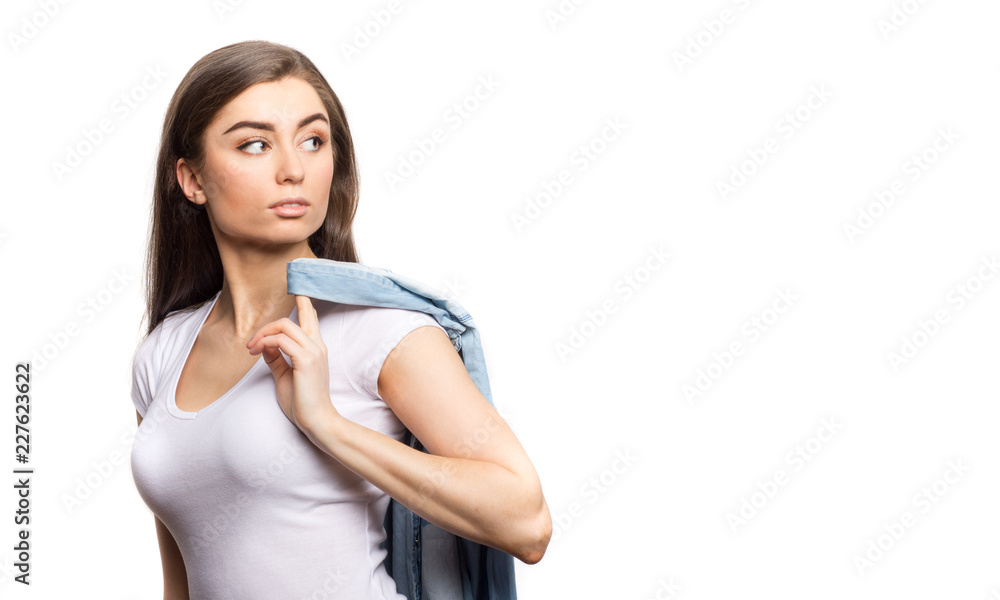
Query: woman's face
x,y
271,144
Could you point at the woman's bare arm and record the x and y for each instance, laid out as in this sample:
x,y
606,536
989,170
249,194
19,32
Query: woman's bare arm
x,y
175,585
475,480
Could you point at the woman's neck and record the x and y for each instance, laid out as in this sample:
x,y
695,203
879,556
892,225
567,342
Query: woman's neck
x,y
254,287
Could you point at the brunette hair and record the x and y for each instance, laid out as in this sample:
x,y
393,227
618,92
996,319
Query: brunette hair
x,y
183,267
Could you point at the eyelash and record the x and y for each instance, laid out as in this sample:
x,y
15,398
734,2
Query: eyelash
x,y
322,142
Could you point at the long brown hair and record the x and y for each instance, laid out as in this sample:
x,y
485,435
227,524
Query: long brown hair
x,y
183,267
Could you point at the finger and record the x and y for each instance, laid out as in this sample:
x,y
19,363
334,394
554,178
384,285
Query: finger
x,y
283,325
274,360
272,343
308,318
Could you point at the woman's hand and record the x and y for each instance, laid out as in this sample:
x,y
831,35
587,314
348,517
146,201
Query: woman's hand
x,y
303,388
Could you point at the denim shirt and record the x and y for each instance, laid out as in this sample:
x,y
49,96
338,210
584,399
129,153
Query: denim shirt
x,y
426,561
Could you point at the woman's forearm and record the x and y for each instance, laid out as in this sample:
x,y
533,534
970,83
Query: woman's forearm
x,y
477,500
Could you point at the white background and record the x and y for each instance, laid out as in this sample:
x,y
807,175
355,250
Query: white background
x,y
662,525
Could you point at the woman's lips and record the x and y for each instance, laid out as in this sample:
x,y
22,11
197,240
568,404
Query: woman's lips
x,y
290,210
291,207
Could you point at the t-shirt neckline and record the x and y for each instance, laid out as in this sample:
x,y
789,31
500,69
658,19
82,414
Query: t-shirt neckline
x,y
171,401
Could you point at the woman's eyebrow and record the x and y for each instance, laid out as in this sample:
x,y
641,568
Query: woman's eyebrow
x,y
270,127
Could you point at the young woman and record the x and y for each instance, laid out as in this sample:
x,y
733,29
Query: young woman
x,y
274,483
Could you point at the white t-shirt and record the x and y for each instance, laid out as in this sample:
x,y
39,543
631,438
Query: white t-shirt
x,y
257,510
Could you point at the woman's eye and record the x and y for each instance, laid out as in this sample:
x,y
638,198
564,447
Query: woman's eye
x,y
251,144
317,141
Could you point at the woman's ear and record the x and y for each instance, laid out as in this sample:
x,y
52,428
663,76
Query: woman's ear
x,y
190,182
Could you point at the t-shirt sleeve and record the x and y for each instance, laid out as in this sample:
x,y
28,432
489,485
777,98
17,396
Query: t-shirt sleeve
x,y
144,371
368,335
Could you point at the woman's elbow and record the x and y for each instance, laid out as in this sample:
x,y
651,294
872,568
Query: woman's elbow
x,y
537,533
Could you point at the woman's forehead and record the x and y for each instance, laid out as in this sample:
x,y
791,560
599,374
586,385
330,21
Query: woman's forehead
x,y
282,104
